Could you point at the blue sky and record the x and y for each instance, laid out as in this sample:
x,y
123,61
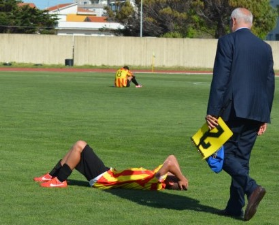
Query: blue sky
x,y
42,4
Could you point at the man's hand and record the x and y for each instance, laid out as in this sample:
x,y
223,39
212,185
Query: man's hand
x,y
262,129
211,121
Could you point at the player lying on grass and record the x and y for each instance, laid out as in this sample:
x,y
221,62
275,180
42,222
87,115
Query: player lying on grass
x,y
82,158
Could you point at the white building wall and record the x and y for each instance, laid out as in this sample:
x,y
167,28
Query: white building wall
x,y
87,29
71,9
83,2
97,11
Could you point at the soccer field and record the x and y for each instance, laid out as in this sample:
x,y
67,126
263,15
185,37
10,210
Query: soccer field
x,y
43,114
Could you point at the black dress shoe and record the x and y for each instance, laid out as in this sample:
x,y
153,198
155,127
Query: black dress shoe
x,y
253,202
224,212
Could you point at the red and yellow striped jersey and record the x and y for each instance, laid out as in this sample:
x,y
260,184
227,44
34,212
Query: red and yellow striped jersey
x,y
121,77
133,178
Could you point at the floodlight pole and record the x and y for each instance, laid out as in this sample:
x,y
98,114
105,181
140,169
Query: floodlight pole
x,y
141,18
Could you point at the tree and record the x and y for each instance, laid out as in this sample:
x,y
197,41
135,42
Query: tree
x,y
215,15
265,16
169,18
24,19
212,16
125,15
190,18
6,9
160,17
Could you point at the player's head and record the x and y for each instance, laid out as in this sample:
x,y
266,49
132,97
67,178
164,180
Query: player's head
x,y
171,182
126,67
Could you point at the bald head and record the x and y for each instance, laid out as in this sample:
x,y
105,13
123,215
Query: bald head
x,y
241,17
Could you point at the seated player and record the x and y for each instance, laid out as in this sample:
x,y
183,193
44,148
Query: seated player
x,y
123,78
82,158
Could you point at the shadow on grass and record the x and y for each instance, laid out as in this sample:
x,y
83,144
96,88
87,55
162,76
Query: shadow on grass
x,y
156,199
162,199
78,183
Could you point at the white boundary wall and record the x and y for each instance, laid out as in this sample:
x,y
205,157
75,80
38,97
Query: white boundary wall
x,y
112,51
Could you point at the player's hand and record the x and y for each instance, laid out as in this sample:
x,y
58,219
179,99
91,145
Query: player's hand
x,y
211,121
183,184
262,129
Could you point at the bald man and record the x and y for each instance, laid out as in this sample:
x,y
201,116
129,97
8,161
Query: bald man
x,y
241,92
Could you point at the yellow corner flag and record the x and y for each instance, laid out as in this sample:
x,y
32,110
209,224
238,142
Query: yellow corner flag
x,y
209,141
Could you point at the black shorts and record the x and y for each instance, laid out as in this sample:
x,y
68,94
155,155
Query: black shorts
x,y
90,164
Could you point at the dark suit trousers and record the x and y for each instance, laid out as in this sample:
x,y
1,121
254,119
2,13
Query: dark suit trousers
x,y
236,164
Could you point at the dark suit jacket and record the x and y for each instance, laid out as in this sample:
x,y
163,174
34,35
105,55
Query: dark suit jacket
x,y
243,78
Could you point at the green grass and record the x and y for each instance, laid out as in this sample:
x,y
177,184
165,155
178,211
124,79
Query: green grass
x,y
43,114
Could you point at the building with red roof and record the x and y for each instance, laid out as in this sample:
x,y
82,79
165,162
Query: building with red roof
x,y
78,20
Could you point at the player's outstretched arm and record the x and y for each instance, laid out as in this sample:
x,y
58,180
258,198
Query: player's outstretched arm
x,y
171,166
